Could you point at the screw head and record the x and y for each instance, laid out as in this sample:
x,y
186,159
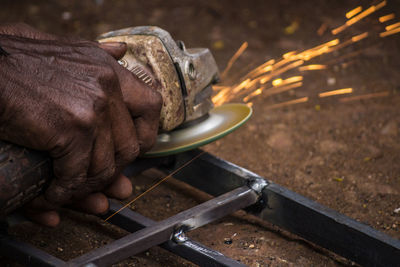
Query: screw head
x,y
191,71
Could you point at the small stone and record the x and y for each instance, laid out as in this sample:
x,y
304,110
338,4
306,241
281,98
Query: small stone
x,y
66,15
331,81
253,24
60,249
147,253
218,45
280,141
337,179
228,240
329,146
390,128
397,210
251,246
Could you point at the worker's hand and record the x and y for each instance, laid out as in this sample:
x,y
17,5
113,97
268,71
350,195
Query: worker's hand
x,y
72,99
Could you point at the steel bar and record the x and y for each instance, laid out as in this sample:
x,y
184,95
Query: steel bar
x,y
328,228
209,173
161,232
295,213
27,254
142,164
190,250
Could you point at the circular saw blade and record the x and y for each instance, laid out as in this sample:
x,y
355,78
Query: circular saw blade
x,y
221,121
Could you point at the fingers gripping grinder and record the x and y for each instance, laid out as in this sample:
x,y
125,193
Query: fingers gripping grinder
x,y
184,77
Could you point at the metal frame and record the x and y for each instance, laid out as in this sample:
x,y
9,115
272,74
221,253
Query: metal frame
x,y
234,188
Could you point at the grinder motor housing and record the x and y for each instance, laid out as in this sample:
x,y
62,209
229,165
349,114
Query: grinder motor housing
x,y
183,76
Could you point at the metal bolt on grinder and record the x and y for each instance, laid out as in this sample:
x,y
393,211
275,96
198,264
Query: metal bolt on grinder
x,y
184,77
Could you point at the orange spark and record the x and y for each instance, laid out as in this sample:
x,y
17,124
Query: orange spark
x,y
219,87
261,69
366,96
359,37
265,79
272,91
253,94
359,17
280,82
392,26
233,59
317,51
336,92
353,12
386,18
312,67
277,82
353,39
222,96
384,34
288,103
241,86
292,79
288,67
289,54
281,89
322,29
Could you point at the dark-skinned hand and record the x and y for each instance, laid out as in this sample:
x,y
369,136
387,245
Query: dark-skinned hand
x,y
72,99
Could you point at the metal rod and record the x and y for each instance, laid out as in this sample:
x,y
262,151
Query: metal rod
x,y
328,228
189,249
295,213
161,232
27,254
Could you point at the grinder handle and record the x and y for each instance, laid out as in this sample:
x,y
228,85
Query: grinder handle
x,y
24,174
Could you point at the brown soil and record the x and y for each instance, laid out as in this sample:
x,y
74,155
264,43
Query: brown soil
x,y
343,155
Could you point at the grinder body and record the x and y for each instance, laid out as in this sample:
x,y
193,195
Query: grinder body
x,y
183,77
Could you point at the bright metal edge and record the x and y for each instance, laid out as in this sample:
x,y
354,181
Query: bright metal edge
x,y
206,141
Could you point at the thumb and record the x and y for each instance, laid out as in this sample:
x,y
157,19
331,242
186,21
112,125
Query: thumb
x,y
115,49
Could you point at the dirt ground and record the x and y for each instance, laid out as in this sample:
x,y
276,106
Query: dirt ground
x,y
345,155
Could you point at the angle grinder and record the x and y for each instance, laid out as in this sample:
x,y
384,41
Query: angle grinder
x,y
184,78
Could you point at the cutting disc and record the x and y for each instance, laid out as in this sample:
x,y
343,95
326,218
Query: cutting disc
x,y
220,121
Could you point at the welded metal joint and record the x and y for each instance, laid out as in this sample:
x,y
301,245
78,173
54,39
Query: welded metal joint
x,y
258,184
179,236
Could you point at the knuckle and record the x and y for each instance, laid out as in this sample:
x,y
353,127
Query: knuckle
x,y
147,143
100,101
128,154
99,180
85,119
22,26
108,173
